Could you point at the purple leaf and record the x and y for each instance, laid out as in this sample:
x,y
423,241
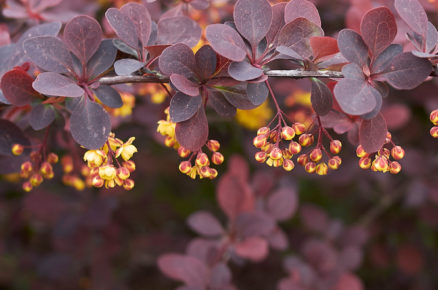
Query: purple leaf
x,y
379,100
108,96
49,53
179,29
127,66
407,71
237,97
257,93
249,224
103,59
301,8
384,59
187,269
83,35
41,116
10,135
287,51
355,97
253,19
277,22
177,59
90,124
372,133
244,71
432,37
278,240
352,47
283,203
413,14
296,35
321,97
220,104
204,223
140,17
123,26
378,29
17,87
54,84
353,71
220,276
123,47
193,133
200,4
252,248
226,41
184,107
46,29
205,62
182,84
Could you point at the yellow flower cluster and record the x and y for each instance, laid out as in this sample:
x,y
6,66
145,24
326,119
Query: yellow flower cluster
x,y
255,118
434,120
102,170
167,129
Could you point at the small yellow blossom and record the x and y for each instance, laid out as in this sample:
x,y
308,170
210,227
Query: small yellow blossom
x,y
126,150
94,158
107,172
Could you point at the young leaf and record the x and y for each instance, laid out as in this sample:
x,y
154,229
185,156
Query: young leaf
x,y
103,59
83,35
252,248
355,97
108,96
49,53
184,85
41,116
90,125
183,107
296,35
127,66
384,59
277,22
179,29
407,71
204,223
187,269
206,62
123,26
244,71
141,19
321,97
220,104
17,87
372,133
413,14
226,41
10,135
378,29
54,84
323,46
301,8
253,19
352,47
193,133
177,59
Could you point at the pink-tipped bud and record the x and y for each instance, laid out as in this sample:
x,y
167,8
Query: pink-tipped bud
x,y
381,163
287,133
205,172
97,181
26,167
263,131
310,167
123,173
394,167
259,141
299,128
276,153
397,152
294,147
434,132
183,152
46,168
306,140
169,141
213,173
130,165
388,138
365,162
335,146
128,184
434,117
288,165
333,164
286,154
261,156
185,167
217,158
17,149
85,170
321,169
384,152
202,159
213,145
27,186
274,136
36,179
315,155
303,159
360,152
67,163
52,158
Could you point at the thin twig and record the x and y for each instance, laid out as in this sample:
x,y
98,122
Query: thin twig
x,y
132,79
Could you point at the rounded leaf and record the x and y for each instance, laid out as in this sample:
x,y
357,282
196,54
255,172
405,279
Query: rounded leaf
x,y
178,59
108,96
205,223
252,248
301,8
321,97
283,203
187,269
226,41
372,133
41,116
193,133
179,29
355,97
54,84
17,87
184,107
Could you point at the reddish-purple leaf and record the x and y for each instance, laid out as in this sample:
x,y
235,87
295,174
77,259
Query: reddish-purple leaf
x,y
220,104
200,4
179,29
90,124
348,281
407,71
283,203
183,107
301,8
253,19
54,84
83,35
155,50
320,254
412,12
127,66
353,71
432,37
257,93
103,59
226,41
17,87
234,196
108,96
10,135
123,26
182,84
321,97
238,166
220,276
244,71
296,35
204,223
277,22
205,250
193,133
41,116
385,58
372,133
178,59
278,239
141,19
237,97
378,29
252,248
206,61
49,53
257,223
323,46
352,47
355,97
187,269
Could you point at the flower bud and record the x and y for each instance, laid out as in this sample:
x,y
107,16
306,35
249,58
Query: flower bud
x,y
315,155
52,158
288,165
185,167
434,117
335,146
202,159
128,184
274,136
36,179
294,147
321,169
261,156
204,172
276,153
259,141
85,170
286,154
365,162
310,167
213,173
27,186
183,152
263,131
123,173
17,149
303,159
107,172
397,152
169,141
217,158
97,181
394,167
299,128
381,163
384,152
333,164
213,145
26,167
434,132
360,152
130,165
287,133
67,163
277,162
46,168
388,138
306,140
78,184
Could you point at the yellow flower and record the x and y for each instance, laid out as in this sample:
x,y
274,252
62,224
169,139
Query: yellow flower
x,y
126,150
255,118
94,158
166,128
107,172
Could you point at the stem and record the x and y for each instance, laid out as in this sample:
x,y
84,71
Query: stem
x,y
132,79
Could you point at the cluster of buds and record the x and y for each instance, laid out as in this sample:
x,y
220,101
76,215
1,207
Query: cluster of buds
x,y
103,172
313,162
382,159
167,129
201,166
70,177
434,120
36,169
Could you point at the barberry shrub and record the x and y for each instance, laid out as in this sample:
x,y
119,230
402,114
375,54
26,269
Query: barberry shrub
x,y
311,98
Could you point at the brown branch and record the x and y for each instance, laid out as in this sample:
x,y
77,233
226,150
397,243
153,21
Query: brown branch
x,y
132,79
